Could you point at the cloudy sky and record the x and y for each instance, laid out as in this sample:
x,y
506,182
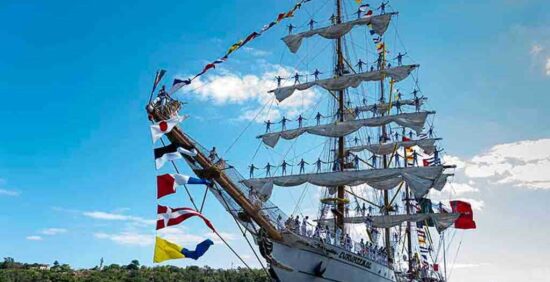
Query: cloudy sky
x,y
76,172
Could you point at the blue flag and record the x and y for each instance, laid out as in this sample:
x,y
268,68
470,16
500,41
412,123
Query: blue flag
x,y
199,250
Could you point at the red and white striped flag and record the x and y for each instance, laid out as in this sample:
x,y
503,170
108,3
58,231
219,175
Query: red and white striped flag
x,y
167,216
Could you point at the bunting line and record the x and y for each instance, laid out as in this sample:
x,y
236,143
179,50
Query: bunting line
x,y
178,83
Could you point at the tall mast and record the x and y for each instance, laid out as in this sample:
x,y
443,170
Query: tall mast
x,y
385,158
407,204
444,255
339,70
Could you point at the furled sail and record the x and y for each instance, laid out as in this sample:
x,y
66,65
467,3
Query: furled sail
x,y
415,121
379,24
381,108
419,179
342,82
387,148
442,220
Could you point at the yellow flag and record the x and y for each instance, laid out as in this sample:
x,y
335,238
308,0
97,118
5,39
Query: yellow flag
x,y
358,1
165,250
234,47
409,151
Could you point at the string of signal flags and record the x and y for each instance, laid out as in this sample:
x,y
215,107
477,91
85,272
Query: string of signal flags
x,y
179,83
166,185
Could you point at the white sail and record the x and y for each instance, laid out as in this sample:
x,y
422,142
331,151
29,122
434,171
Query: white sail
x,y
381,108
415,121
419,179
428,145
342,82
441,220
379,24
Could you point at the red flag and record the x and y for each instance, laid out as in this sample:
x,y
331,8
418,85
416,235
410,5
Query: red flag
x,y
206,68
436,267
426,162
466,218
250,37
165,185
173,216
405,139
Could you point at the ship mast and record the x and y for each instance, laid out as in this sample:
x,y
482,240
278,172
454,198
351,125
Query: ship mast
x,y
381,65
339,71
408,206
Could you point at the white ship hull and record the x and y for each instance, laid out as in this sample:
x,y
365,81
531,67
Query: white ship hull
x,y
301,262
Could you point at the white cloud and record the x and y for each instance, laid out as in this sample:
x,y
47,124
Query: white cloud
x,y
226,236
119,217
467,265
536,49
34,238
6,192
522,164
255,52
540,57
454,160
53,231
251,91
462,188
178,235
128,238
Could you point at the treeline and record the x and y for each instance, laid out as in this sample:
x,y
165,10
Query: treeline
x,y
11,271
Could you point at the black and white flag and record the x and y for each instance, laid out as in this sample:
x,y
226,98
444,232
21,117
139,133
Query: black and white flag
x,y
171,152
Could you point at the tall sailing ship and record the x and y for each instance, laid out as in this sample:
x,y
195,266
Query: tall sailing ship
x,y
375,220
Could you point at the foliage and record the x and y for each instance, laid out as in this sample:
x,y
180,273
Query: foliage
x,y
14,271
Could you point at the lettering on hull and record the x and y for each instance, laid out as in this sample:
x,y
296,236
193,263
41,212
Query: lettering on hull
x,y
355,260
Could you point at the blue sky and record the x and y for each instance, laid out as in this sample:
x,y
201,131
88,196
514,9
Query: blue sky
x,y
76,169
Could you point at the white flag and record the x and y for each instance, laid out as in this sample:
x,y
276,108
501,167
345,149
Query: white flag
x,y
164,126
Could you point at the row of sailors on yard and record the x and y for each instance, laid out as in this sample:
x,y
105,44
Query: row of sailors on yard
x,y
359,65
357,110
361,12
336,238
354,159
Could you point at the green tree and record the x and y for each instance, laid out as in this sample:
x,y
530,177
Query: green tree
x,y
9,262
134,265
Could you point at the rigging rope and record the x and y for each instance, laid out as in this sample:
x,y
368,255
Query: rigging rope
x,y
456,255
243,233
197,209
247,126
